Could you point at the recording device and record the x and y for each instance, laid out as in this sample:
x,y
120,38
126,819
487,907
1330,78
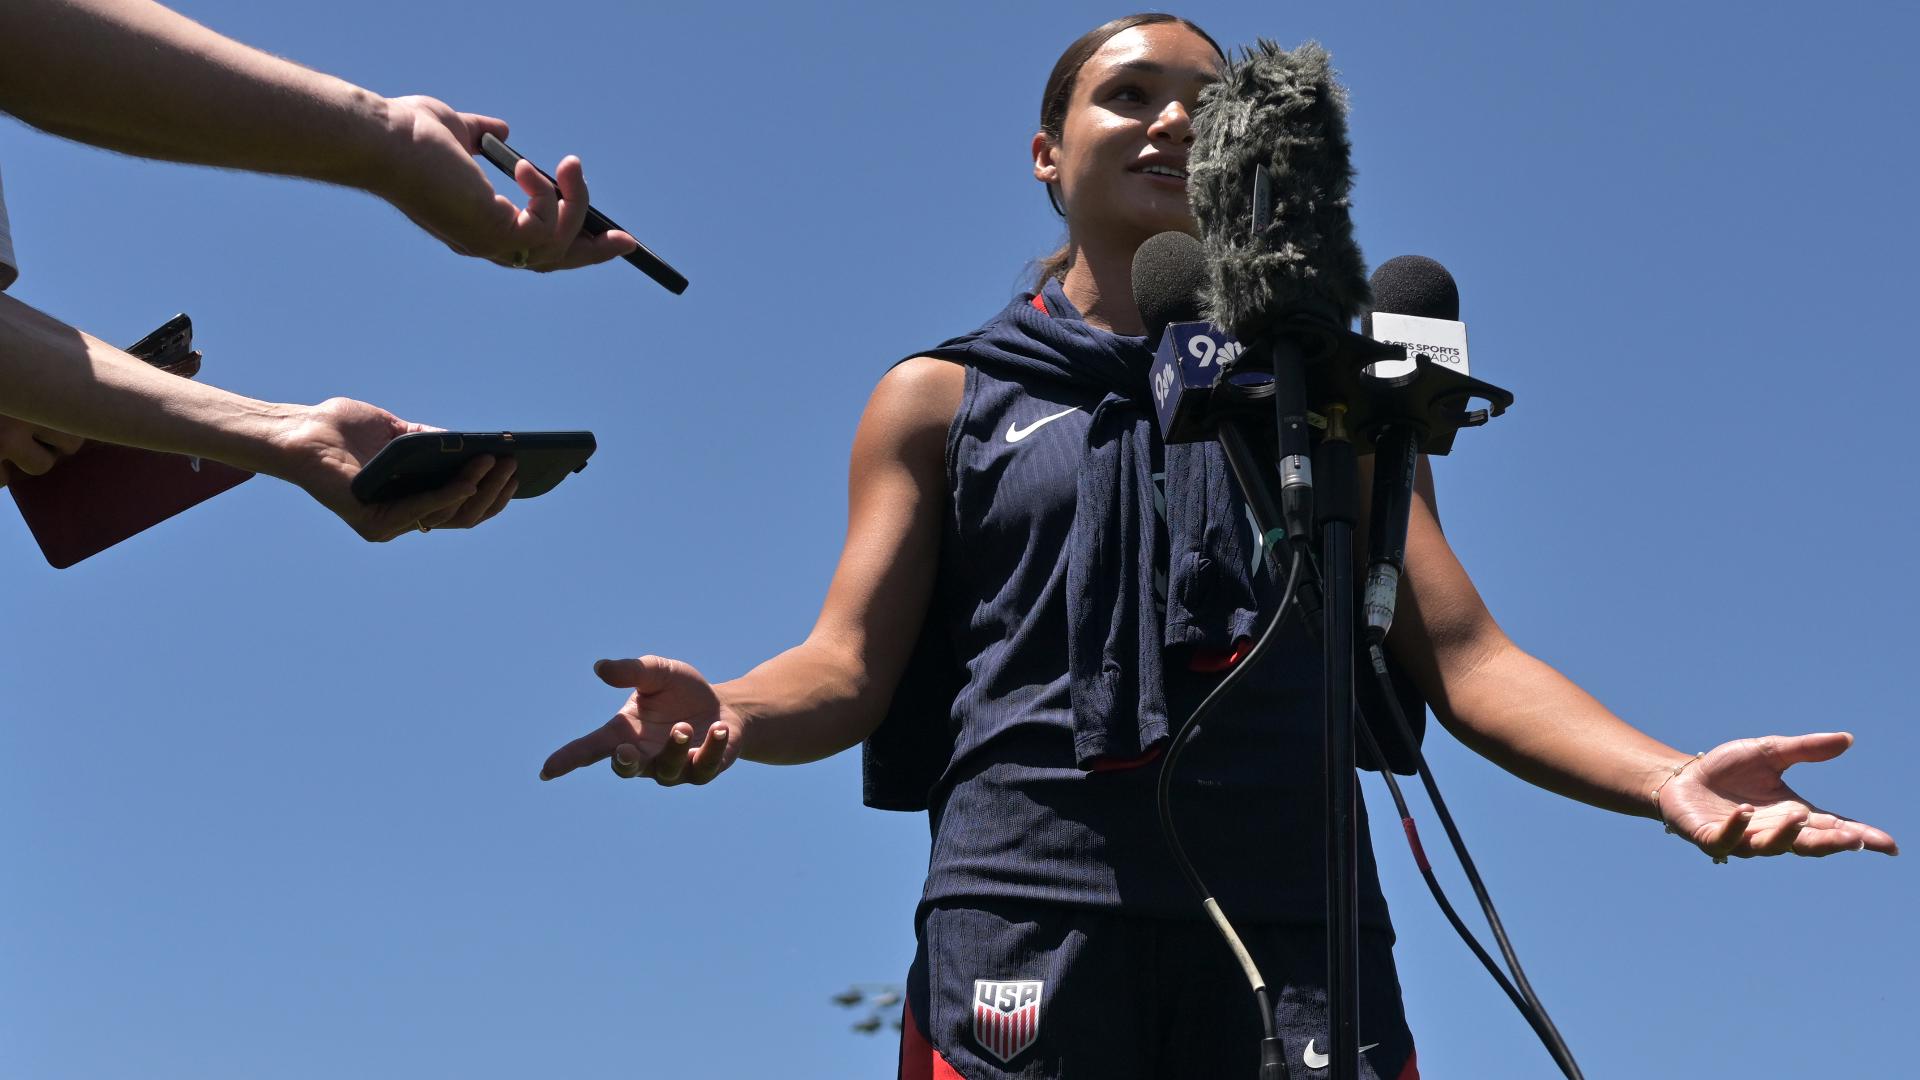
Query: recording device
x,y
505,157
1270,176
103,493
427,460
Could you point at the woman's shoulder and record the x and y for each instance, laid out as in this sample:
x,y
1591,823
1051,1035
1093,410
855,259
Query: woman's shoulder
x,y
920,391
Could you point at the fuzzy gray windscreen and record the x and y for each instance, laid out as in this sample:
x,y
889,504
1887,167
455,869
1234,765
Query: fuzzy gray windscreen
x,y
1284,110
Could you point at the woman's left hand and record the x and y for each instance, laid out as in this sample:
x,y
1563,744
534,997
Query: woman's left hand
x,y
1734,802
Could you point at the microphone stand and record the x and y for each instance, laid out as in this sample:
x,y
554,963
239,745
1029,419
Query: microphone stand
x,y
1337,466
1430,401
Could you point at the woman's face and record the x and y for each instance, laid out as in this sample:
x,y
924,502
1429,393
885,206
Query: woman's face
x,y
1121,159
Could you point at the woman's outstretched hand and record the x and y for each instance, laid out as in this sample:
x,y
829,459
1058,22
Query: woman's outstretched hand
x,y
673,727
1734,801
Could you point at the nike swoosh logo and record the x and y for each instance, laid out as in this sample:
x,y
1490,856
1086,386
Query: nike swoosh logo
x,y
1320,1061
1015,432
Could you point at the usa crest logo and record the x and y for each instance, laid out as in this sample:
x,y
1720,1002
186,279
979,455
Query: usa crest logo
x,y
1006,1016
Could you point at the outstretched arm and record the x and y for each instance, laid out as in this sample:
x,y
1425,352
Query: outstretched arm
x,y
827,693
1528,718
137,77
67,386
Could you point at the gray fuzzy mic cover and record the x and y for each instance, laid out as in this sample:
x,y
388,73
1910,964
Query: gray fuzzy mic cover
x,y
1284,110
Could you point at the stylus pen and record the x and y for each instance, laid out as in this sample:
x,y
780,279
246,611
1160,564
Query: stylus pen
x,y
505,157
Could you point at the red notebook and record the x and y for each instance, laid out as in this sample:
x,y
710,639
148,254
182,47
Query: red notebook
x,y
104,493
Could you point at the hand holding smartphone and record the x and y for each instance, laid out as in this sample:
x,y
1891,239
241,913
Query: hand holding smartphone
x,y
505,157
427,460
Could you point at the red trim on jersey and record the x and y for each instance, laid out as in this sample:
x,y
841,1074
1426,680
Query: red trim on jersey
x,y
918,1059
1114,764
1040,304
1207,660
1412,1071
1211,660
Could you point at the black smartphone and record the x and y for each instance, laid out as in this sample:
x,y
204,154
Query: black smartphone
x,y
505,157
426,460
170,347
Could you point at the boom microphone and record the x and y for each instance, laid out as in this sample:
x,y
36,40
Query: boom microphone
x,y
1269,178
1287,251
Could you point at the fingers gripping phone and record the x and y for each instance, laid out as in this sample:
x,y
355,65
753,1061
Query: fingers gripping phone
x,y
426,460
505,157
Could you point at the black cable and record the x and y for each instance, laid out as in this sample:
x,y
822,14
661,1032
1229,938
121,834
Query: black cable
x,y
1536,1016
1525,1007
1522,995
1164,800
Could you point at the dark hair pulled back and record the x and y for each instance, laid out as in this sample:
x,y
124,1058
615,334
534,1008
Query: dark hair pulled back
x,y
1053,105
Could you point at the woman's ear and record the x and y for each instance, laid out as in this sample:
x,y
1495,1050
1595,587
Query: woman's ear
x,y
1044,169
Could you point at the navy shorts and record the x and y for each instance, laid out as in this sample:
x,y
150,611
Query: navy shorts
x,y
1004,989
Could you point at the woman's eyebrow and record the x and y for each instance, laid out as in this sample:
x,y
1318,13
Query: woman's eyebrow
x,y
1154,67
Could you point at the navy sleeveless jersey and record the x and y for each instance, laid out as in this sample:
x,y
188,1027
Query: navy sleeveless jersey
x,y
1012,816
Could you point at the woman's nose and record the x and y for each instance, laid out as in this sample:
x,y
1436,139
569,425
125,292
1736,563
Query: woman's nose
x,y
1173,123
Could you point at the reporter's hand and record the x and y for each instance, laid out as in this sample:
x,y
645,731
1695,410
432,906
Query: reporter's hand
x,y
331,442
673,727
432,177
32,450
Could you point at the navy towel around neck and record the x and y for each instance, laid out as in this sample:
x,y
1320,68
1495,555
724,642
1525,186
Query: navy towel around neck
x,y
1117,634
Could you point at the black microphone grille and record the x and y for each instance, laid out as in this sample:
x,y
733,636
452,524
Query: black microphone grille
x,y
1416,285
1270,178
1169,273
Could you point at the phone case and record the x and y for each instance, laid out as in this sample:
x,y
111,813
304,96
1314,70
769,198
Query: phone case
x,y
105,494
425,460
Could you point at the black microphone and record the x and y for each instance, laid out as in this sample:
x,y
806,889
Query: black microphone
x,y
1416,286
1190,355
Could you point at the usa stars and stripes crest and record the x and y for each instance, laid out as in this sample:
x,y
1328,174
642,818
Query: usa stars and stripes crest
x,y
1006,1016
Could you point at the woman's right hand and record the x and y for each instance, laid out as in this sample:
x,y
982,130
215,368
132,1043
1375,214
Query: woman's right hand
x,y
673,728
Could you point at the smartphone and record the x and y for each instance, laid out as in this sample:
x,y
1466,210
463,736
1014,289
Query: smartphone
x,y
103,493
170,348
505,157
426,460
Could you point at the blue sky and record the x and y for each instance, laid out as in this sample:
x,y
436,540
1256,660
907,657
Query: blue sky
x,y
267,793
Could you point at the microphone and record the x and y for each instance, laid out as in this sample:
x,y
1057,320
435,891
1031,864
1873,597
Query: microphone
x,y
1281,249
1269,177
1416,305
1190,354
1412,295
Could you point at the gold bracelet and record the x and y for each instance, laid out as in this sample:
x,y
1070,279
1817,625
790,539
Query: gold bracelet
x,y
1676,772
